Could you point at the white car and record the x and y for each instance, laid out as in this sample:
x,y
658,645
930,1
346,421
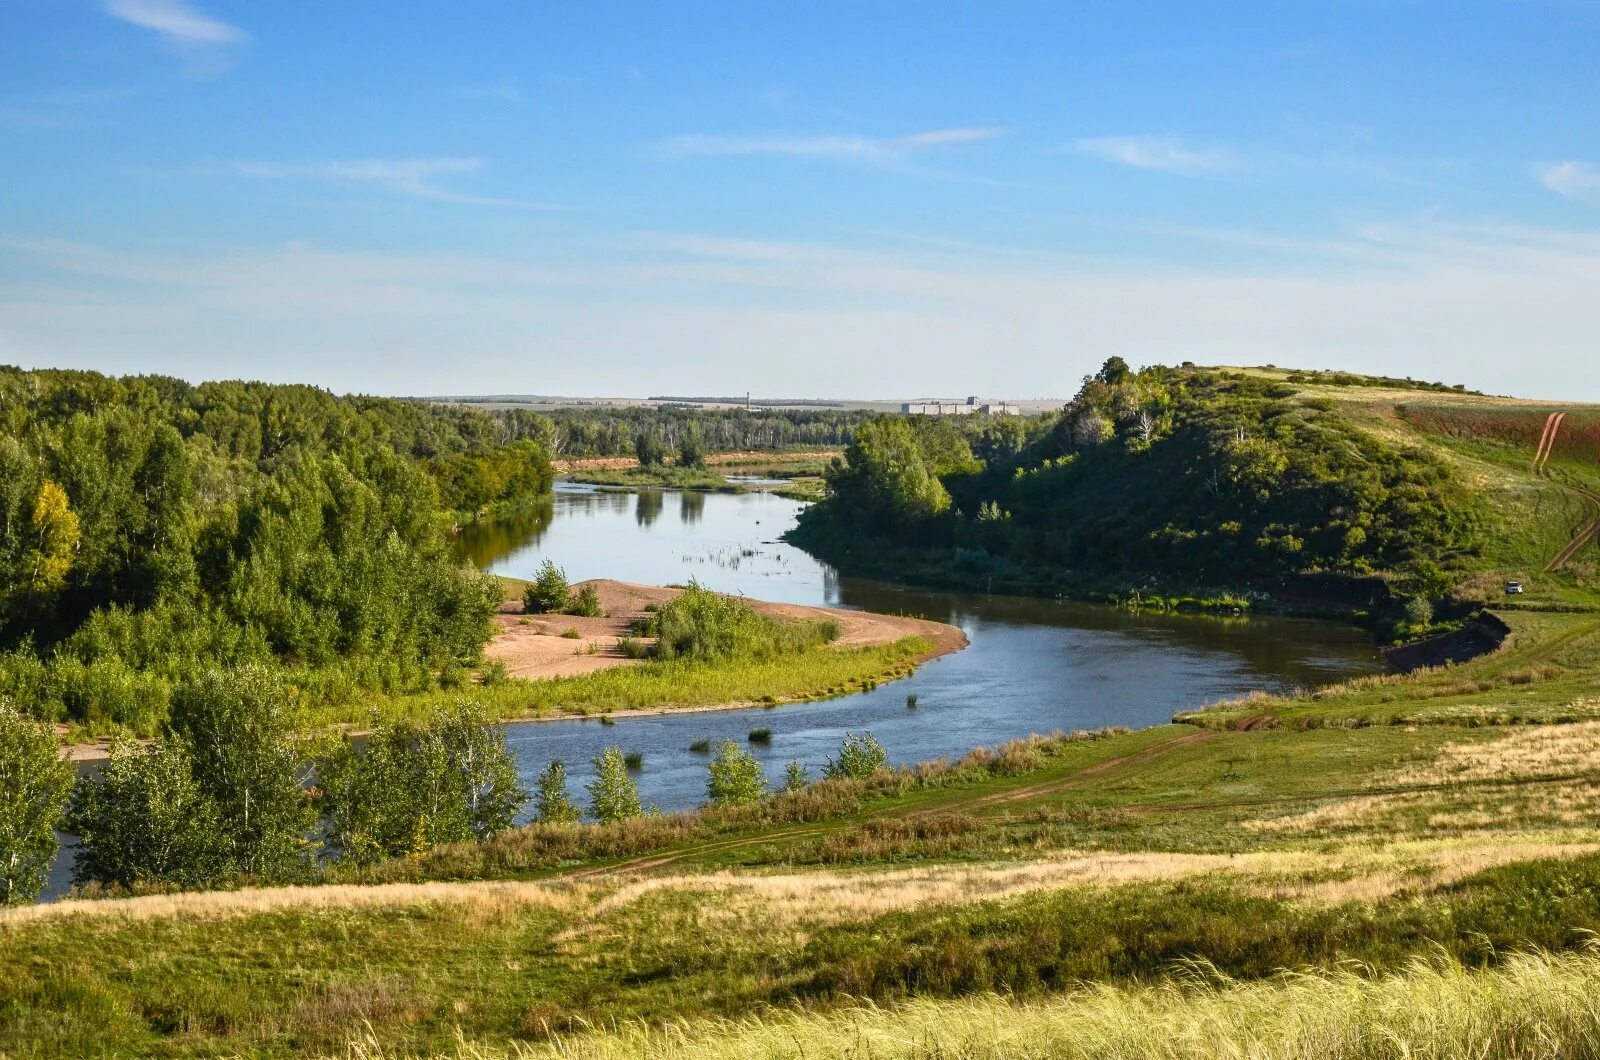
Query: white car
x,y
1514,589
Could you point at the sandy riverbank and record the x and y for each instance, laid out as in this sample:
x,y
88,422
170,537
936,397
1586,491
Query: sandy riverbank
x,y
532,646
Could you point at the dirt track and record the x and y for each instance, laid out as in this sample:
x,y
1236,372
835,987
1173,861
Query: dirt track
x,y
1541,462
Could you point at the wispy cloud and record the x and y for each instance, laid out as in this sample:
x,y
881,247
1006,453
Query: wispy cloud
x,y
60,109
858,148
1164,153
415,177
1572,179
177,21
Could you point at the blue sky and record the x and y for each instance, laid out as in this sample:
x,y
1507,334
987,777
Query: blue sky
x,y
864,200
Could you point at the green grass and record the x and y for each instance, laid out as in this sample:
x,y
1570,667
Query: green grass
x,y
817,673
1536,1006
665,477
499,966
1546,672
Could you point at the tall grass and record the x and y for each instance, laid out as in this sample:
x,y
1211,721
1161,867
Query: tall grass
x,y
1531,1008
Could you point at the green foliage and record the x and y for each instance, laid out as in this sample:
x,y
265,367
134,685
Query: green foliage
x,y
649,450
734,777
887,480
704,626
1189,473
691,451
795,777
586,603
473,482
409,786
150,529
859,756
219,797
246,761
146,821
551,802
613,796
548,593
34,786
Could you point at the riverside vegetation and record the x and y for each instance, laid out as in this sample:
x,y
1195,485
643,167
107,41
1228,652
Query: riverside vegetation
x,y
1398,866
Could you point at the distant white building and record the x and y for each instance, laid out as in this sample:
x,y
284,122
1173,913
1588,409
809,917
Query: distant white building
x,y
937,407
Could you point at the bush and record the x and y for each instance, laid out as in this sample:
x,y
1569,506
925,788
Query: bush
x,y
548,593
760,736
795,778
146,821
34,786
552,805
410,786
859,756
709,627
613,796
586,603
734,777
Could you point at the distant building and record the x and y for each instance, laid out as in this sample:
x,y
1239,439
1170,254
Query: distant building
x,y
937,407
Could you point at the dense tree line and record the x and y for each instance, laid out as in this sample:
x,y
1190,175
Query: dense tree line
x,y
618,431
150,529
1190,473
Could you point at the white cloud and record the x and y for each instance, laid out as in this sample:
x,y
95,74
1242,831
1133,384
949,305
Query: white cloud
x,y
1434,301
1572,179
862,148
416,177
1163,153
176,20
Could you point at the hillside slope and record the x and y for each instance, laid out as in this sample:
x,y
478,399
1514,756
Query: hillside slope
x,y
1352,492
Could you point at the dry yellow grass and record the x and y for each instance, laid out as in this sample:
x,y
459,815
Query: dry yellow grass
x,y
1532,1008
485,899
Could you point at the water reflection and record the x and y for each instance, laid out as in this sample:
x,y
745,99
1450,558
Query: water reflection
x,y
691,507
648,506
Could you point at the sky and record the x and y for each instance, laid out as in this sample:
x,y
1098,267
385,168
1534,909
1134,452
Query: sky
x,y
868,200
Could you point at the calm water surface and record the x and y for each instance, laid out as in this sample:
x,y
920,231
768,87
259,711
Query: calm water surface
x,y
1033,665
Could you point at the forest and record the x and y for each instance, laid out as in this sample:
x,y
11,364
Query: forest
x,y
1193,475
150,529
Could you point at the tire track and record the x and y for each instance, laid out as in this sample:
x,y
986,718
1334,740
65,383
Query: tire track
x,y
1541,468
649,862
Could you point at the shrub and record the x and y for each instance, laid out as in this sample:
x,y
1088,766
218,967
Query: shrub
x,y
410,786
734,777
613,796
706,626
795,778
145,820
571,634
586,603
859,756
633,759
34,786
700,747
760,736
548,593
551,804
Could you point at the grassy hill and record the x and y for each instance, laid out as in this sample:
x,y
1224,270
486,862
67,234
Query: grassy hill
x,y
1222,483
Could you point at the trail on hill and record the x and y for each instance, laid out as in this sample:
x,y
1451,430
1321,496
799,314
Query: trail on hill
x,y
1541,468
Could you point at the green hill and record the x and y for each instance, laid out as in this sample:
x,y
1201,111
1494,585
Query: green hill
x,y
1347,491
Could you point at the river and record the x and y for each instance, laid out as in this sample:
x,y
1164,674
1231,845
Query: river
x,y
1033,665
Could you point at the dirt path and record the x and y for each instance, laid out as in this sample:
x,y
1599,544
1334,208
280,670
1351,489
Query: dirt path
x,y
1541,468
650,862
539,646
